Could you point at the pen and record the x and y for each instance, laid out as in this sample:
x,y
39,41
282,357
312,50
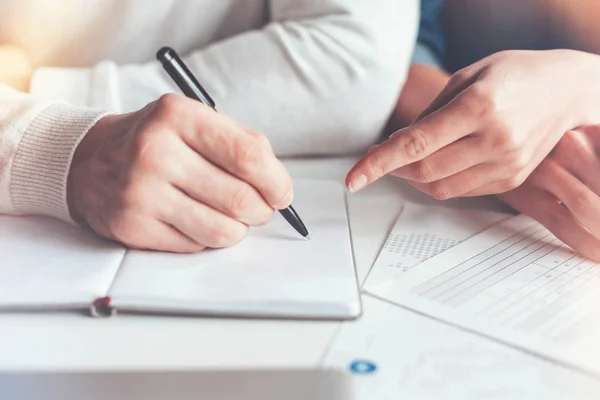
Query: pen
x,y
190,86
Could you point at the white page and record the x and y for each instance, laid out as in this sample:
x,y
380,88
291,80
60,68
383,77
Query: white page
x,y
398,354
272,272
514,282
46,263
421,232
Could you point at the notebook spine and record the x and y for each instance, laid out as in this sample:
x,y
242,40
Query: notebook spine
x,y
102,308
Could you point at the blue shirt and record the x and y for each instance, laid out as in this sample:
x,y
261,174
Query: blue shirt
x,y
430,42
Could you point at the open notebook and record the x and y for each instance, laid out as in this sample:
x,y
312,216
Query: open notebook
x,y
48,265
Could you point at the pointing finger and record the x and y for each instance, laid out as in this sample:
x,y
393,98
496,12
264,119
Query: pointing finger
x,y
445,126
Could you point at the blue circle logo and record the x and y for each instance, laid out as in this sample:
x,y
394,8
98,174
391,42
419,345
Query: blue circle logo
x,y
363,367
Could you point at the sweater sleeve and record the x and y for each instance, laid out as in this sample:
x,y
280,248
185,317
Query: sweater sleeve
x,y
321,78
37,142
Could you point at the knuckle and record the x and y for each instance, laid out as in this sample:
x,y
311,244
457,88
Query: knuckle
x,y
569,139
582,200
247,153
569,146
262,142
480,101
507,144
148,152
459,77
512,182
439,191
423,172
239,203
218,238
168,105
222,237
414,143
518,162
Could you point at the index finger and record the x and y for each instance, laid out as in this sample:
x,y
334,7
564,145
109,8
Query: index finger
x,y
437,130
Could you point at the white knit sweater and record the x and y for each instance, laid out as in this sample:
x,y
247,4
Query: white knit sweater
x,y
316,76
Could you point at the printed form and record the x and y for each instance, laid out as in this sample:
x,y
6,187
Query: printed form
x,y
516,283
422,232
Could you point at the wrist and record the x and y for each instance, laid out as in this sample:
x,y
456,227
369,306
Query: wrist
x,y
77,180
587,83
423,84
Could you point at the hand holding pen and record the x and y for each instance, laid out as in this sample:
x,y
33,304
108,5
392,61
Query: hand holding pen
x,y
175,176
190,86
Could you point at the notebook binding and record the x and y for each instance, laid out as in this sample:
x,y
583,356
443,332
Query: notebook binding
x,y
102,308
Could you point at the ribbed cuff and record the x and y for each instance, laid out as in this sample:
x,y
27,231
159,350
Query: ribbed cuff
x,y
38,179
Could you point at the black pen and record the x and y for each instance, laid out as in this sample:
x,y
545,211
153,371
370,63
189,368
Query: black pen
x,y
190,86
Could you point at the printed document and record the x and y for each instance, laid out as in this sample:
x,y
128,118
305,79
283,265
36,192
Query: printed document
x,y
422,232
515,283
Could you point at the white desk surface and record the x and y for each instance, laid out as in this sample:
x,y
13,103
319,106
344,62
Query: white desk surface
x,y
71,341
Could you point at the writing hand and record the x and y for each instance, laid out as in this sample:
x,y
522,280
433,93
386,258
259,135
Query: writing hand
x,y
175,176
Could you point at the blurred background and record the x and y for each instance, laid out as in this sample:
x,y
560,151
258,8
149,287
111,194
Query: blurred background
x,y
478,28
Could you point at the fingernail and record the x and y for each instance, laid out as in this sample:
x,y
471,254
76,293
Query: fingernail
x,y
357,183
398,132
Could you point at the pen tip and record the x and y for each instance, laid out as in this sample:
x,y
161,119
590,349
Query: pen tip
x,y
307,237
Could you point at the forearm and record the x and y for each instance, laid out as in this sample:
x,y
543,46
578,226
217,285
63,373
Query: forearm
x,y
423,84
322,77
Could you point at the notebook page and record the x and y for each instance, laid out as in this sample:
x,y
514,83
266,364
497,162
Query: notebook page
x,y
272,272
421,232
46,263
517,283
